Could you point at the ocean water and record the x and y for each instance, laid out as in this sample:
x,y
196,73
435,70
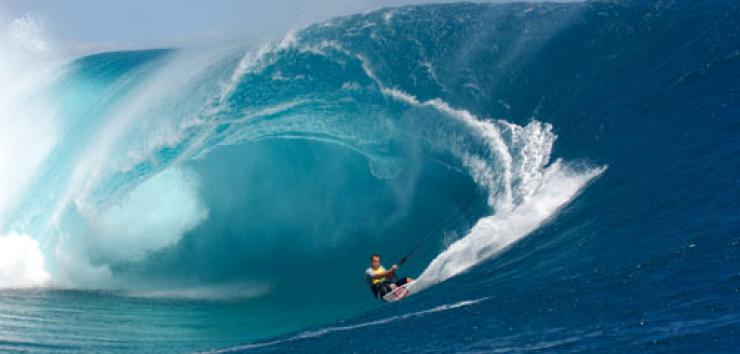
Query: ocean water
x,y
568,171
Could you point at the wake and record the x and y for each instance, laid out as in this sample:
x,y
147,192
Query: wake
x,y
328,330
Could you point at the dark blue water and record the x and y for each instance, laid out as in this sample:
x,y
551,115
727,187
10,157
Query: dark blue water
x,y
217,200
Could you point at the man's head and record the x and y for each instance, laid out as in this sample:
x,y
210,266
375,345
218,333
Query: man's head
x,y
375,261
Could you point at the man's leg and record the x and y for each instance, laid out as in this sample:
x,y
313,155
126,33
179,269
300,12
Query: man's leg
x,y
403,281
385,288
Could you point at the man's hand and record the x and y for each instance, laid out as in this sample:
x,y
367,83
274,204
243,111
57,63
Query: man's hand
x,y
392,270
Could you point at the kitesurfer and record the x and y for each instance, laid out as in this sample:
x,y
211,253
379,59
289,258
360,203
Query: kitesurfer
x,y
380,280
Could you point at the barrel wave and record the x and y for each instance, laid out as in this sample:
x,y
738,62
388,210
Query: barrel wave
x,y
569,170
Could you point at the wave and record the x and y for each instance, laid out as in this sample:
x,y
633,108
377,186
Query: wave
x,y
193,174
123,190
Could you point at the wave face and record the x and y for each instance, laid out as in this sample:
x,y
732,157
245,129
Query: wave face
x,y
262,176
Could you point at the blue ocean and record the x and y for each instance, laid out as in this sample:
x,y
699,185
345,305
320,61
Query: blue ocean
x,y
566,177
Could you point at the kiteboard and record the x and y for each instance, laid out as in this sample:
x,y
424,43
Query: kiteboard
x,y
398,293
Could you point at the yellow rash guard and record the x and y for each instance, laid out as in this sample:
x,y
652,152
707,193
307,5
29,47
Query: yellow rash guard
x,y
370,273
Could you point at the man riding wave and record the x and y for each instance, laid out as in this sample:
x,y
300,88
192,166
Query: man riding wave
x,y
382,281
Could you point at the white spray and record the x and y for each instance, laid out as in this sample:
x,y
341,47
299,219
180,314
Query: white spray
x,y
27,136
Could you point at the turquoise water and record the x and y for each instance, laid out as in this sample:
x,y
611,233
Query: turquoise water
x,y
571,171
